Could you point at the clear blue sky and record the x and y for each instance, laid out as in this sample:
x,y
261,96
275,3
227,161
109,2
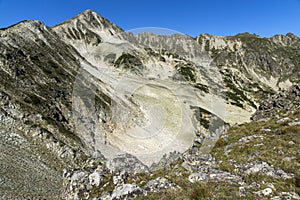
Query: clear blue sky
x,y
192,17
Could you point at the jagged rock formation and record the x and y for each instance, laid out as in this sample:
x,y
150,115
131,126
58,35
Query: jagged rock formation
x,y
70,93
282,102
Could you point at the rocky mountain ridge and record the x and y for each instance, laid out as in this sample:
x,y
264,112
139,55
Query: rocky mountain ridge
x,y
70,92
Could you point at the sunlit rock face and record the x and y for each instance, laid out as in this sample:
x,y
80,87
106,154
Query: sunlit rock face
x,y
85,88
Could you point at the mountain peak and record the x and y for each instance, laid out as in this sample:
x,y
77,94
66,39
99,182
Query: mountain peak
x,y
87,23
89,12
28,29
87,28
29,24
291,35
90,19
89,15
247,35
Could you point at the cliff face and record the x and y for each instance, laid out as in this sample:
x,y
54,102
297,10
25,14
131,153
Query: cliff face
x,y
36,139
85,88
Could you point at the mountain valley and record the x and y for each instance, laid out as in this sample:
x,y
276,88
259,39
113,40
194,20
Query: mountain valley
x,y
89,111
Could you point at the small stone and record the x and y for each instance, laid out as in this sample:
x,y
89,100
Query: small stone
x,y
280,152
105,196
288,159
198,140
294,124
270,185
254,185
257,145
120,178
77,176
242,191
94,179
264,119
186,166
286,195
265,192
266,129
283,120
291,142
194,177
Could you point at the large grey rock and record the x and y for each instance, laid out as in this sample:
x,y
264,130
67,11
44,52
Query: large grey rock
x,y
264,168
216,176
264,192
126,162
160,184
126,191
82,182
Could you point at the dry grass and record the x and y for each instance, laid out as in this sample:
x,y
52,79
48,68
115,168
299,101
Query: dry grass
x,y
290,129
279,147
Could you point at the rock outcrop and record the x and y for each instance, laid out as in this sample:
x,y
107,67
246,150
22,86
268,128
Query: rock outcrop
x,y
282,102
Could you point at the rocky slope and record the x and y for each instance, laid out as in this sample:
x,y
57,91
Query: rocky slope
x,y
36,135
38,72
256,160
110,106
